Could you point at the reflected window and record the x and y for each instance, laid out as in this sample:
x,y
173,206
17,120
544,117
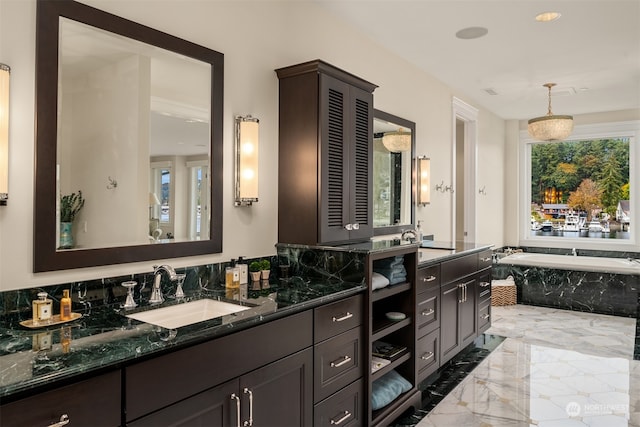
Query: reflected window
x,y
198,195
161,187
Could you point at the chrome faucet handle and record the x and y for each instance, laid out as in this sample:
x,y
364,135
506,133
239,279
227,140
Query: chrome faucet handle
x,y
180,278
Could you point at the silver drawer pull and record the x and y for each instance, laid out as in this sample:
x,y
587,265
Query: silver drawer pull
x,y
337,364
342,318
342,419
237,399
249,422
427,356
484,284
486,316
428,313
64,420
485,259
429,279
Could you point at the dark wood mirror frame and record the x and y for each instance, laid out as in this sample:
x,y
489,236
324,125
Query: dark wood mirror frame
x,y
46,257
377,114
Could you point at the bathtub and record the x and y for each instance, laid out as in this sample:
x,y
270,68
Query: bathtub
x,y
581,283
575,263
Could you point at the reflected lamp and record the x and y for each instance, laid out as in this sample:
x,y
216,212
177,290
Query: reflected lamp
x,y
424,181
246,169
5,72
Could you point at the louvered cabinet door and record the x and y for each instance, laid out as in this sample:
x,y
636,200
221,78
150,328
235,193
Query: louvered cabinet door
x,y
346,158
334,159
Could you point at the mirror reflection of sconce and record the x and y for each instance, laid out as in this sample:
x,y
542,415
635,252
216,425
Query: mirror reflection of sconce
x,y
424,180
5,72
246,170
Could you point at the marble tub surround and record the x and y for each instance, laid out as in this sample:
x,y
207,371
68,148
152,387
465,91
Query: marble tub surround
x,y
104,337
569,251
595,292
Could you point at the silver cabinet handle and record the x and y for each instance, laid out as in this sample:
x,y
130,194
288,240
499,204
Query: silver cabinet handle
x,y
346,316
338,363
348,227
342,419
249,422
356,226
485,259
484,284
460,293
429,279
465,292
486,316
427,356
237,399
64,420
428,313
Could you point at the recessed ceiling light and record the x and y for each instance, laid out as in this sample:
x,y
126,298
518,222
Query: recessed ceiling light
x,y
471,33
548,16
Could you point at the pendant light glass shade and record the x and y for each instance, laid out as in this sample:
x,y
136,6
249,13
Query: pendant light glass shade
x,y
397,142
550,127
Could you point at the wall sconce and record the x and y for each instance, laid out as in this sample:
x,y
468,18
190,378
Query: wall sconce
x,y
424,180
246,170
5,72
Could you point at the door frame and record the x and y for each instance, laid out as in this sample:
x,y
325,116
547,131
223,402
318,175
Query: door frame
x,y
469,115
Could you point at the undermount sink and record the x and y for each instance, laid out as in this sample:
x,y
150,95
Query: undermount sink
x,y
179,315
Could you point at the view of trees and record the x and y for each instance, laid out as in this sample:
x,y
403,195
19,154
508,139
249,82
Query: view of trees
x,y
586,175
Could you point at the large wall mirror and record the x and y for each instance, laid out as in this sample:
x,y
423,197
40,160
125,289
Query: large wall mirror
x,y
393,153
131,117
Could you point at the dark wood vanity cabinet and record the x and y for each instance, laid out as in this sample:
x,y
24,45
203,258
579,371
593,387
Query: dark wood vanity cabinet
x,y
428,312
324,155
262,374
92,402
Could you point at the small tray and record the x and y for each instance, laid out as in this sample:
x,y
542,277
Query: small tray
x,y
55,320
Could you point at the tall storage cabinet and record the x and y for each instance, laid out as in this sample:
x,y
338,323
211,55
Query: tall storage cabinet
x,y
324,155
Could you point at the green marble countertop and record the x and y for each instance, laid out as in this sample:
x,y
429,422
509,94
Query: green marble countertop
x,y
434,252
103,338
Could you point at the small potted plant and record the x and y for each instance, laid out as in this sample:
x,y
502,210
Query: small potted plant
x,y
265,267
254,270
70,206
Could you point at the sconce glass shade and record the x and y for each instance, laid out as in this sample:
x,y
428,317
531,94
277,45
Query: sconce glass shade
x,y
5,72
397,142
246,170
550,127
424,180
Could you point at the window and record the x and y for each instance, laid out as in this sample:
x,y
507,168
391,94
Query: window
x,y
580,192
161,187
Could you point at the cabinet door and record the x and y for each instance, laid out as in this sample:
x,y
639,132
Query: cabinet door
x,y
334,160
468,312
450,340
280,394
215,407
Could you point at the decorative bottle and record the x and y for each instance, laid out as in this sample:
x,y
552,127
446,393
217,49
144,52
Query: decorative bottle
x,y
65,305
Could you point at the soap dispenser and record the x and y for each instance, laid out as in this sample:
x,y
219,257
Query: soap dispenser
x,y
419,232
244,270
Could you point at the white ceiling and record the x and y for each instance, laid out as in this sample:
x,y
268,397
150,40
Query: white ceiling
x,y
592,52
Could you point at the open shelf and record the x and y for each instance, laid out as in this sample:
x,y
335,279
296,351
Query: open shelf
x,y
390,290
399,361
383,327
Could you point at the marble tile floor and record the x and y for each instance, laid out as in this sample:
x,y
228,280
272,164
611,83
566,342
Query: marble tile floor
x,y
555,368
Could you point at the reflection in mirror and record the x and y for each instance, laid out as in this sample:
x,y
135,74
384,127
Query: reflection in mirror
x,y
393,207
135,107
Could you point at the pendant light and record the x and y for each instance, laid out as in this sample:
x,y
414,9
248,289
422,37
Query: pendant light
x,y
550,127
397,142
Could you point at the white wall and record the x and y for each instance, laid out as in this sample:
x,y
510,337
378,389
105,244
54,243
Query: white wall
x,y
256,37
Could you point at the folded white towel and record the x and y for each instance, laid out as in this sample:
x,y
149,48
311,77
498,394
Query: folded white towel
x,y
378,281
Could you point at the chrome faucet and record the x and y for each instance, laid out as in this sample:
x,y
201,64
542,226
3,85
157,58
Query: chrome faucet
x,y
156,292
409,235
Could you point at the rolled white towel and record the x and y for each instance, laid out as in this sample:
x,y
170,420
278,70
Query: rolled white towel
x,y
378,281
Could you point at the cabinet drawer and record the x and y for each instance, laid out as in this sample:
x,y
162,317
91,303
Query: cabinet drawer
x,y
93,402
335,318
337,362
484,288
427,354
458,268
428,278
344,408
485,259
484,316
428,312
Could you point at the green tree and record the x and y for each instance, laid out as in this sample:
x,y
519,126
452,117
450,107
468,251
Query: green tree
x,y
625,191
587,197
610,184
565,178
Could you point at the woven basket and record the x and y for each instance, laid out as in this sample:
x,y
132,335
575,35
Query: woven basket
x,y
503,293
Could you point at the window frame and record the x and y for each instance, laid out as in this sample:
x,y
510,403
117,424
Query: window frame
x,y
630,129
